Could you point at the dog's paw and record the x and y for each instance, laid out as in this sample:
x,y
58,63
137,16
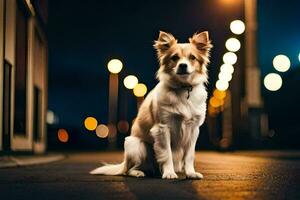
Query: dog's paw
x,y
136,173
194,175
169,175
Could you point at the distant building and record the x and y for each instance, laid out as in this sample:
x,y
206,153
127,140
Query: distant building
x,y
23,75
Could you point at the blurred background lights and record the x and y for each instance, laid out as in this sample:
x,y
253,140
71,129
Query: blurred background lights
x,y
233,44
62,135
225,76
237,27
222,85
140,90
281,63
90,123
112,130
219,94
102,131
50,118
273,81
229,58
299,57
123,126
130,81
227,68
114,66
214,102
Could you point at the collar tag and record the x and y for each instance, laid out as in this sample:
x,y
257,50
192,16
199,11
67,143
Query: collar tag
x,y
189,89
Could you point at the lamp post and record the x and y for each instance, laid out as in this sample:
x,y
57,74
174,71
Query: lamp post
x,y
139,91
114,66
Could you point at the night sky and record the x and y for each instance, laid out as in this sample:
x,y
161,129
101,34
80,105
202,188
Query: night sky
x,y
84,35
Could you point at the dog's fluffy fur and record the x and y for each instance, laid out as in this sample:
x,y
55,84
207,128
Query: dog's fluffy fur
x,y
167,125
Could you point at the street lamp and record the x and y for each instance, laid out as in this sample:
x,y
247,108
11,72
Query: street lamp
x,y
281,63
222,85
230,58
273,82
139,91
130,81
233,45
114,66
237,27
90,123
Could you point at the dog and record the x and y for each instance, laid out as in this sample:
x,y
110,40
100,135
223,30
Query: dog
x,y
166,129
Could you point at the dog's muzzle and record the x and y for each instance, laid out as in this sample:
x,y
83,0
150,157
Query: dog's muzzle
x,y
182,69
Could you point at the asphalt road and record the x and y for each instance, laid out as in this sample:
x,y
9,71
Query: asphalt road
x,y
246,175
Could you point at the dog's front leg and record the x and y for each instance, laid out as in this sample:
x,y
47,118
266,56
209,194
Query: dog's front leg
x,y
162,149
190,156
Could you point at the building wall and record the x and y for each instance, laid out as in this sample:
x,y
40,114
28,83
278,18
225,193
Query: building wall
x,y
1,66
34,138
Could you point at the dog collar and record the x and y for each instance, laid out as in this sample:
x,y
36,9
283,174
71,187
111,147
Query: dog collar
x,y
188,89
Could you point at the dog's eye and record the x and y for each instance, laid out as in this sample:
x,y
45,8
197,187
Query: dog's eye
x,y
175,58
192,57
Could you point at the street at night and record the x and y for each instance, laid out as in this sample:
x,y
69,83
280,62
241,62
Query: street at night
x,y
202,94
238,175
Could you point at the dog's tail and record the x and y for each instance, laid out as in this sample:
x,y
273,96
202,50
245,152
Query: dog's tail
x,y
110,169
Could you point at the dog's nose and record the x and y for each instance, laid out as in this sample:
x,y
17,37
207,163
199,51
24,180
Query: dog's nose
x,y
182,68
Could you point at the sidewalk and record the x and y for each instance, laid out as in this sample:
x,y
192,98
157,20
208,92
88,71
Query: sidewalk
x,y
26,160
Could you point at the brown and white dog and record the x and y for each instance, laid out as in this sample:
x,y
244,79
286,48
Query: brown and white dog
x,y
167,125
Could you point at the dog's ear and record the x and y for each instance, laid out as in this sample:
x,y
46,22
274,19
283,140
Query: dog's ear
x,y
201,41
164,41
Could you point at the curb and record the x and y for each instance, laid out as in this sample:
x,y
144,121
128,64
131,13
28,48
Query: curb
x,y
21,161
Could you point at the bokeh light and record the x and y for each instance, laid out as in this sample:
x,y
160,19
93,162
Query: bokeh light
x,y
299,57
237,27
90,123
214,102
225,76
273,81
123,126
281,63
227,68
233,45
62,135
102,131
229,58
219,94
112,131
50,117
222,85
130,81
140,90
114,66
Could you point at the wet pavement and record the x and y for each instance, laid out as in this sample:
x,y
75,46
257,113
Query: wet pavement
x,y
238,175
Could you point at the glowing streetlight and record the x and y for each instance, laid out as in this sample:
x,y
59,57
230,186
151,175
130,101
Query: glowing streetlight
x,y
273,81
233,44
140,90
130,81
63,135
90,123
102,131
123,126
230,58
225,76
219,94
214,102
114,66
227,68
237,27
281,63
222,85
